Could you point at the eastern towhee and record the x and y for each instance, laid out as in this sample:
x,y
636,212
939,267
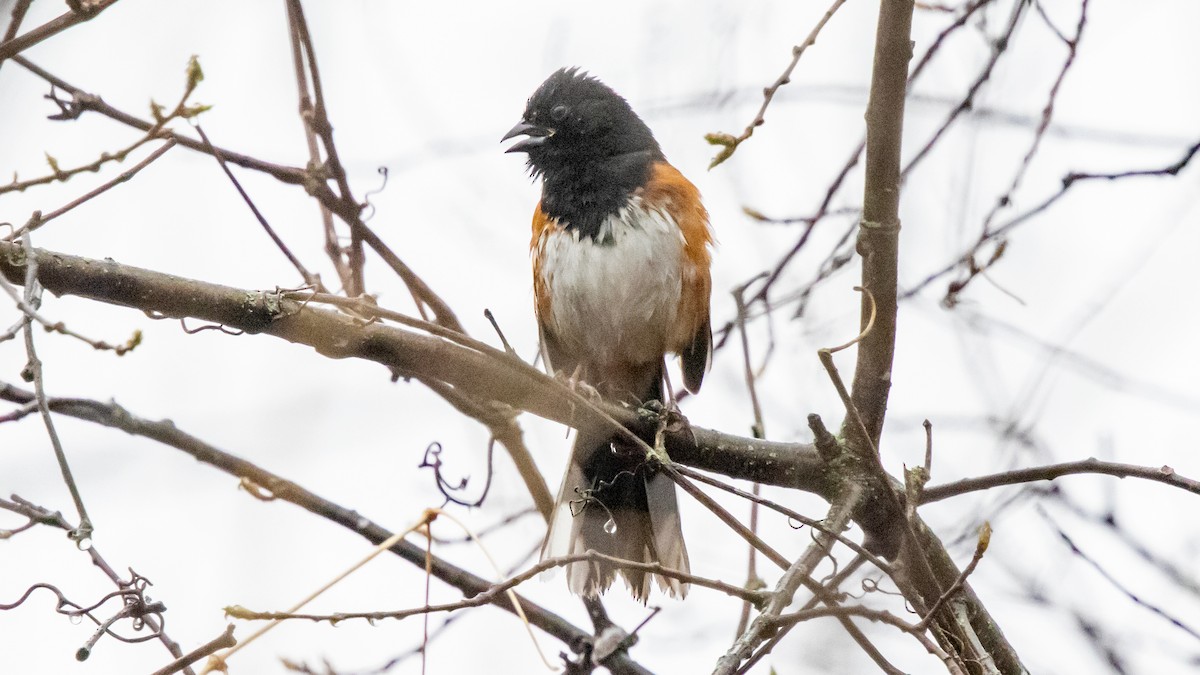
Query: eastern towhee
x,y
620,278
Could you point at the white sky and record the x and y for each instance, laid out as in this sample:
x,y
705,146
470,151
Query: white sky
x,y
427,89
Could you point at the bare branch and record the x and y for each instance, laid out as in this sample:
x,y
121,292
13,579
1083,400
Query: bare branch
x,y
792,515
1068,181
309,278
38,219
87,9
1133,597
1091,465
84,102
333,248
222,641
981,546
62,175
27,308
482,372
999,46
20,7
875,615
760,629
82,534
825,208
165,432
729,143
493,593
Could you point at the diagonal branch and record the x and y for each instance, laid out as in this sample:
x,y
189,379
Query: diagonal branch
x,y
472,368
762,628
85,11
85,101
165,432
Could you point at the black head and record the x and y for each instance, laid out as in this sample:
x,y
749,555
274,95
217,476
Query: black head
x,y
587,144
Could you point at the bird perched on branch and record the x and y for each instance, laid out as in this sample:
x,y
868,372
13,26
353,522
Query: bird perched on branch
x,y
621,278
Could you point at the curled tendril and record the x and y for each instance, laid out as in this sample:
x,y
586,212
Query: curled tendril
x,y
135,606
214,326
433,460
383,173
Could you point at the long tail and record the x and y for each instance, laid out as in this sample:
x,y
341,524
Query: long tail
x,y
612,502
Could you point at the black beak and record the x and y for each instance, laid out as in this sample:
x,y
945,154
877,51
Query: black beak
x,y
537,135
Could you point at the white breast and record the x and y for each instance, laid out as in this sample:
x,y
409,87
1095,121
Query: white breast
x,y
615,298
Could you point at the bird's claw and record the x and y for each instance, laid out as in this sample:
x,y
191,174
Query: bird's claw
x,y
575,383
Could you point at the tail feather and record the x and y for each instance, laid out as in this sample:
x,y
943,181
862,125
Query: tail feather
x,y
613,504
667,533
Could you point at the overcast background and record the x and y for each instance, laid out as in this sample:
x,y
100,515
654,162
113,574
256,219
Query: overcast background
x,y
1096,358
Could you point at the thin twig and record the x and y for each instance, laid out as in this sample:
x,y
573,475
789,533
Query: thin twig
x,y
726,517
1068,182
167,433
344,208
832,585
333,249
1177,573
1133,597
730,143
31,314
20,7
981,546
760,431
62,175
309,278
36,515
760,629
222,641
218,661
824,209
1047,115
84,101
999,46
794,515
1005,199
82,534
1163,474
498,589
39,220
881,617
44,516
318,119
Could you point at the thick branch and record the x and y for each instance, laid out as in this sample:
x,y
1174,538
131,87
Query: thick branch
x,y
53,27
878,236
930,569
478,371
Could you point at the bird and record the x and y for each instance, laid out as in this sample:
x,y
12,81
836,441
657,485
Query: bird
x,y
621,253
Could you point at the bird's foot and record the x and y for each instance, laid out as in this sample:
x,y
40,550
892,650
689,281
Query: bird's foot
x,y
575,383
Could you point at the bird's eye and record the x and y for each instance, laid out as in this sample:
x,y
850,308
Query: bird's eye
x,y
559,113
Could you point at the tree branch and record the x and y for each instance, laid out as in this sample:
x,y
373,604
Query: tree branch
x,y
930,568
763,625
1163,474
878,237
479,371
165,432
86,11
85,102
